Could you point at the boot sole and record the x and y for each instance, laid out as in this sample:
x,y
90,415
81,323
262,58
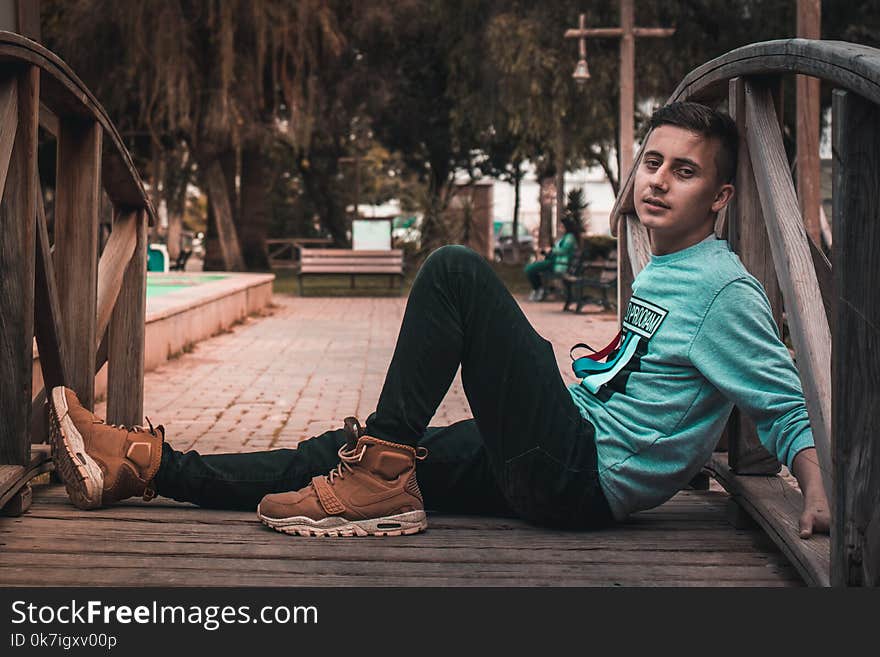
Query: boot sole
x,y
402,524
80,473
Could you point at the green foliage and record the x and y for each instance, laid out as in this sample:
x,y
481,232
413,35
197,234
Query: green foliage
x,y
417,90
575,205
600,246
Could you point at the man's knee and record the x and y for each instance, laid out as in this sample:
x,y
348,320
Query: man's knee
x,y
454,258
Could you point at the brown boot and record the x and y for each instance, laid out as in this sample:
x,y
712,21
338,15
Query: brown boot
x,y
372,492
101,463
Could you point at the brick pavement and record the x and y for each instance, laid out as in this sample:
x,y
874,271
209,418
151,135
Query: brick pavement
x,y
296,372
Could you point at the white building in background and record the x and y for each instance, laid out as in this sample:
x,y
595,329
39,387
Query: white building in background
x,y
597,191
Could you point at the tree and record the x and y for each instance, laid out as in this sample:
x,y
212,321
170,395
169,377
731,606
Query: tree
x,y
199,75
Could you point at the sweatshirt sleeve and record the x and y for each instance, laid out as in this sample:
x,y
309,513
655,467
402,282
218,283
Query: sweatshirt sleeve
x,y
739,351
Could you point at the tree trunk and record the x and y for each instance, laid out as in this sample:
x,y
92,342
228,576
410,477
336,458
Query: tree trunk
x,y
517,181
214,182
546,196
255,214
318,184
435,231
560,181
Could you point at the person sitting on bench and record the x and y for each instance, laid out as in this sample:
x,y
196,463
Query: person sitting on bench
x,y
557,261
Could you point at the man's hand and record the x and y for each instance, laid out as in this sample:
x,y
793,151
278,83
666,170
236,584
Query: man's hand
x,y
816,517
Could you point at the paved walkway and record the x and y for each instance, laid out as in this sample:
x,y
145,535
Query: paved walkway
x,y
276,380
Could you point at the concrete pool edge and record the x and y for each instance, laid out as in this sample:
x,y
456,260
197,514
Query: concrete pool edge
x,y
182,318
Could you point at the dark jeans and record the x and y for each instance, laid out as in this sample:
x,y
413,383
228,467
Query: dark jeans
x,y
535,269
527,450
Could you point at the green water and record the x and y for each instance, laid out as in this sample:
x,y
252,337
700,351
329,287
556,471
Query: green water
x,y
160,287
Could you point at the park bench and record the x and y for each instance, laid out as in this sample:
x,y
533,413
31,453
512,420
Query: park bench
x,y
591,280
318,262
284,252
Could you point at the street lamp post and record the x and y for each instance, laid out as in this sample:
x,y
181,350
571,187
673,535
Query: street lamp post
x,y
627,34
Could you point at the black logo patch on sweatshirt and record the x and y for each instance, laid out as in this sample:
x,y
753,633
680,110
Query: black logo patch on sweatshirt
x,y
643,318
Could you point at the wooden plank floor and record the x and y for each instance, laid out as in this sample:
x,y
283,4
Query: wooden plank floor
x,y
686,542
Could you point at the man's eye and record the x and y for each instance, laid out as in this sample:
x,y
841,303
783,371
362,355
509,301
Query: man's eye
x,y
685,173
652,164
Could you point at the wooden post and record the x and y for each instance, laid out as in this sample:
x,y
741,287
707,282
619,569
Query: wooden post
x,y
48,322
627,86
627,32
789,243
77,213
624,272
855,367
748,238
125,373
807,92
17,220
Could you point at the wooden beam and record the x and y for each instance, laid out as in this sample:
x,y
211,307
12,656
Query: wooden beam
x,y
28,19
748,238
825,276
113,265
17,213
612,32
125,374
856,366
49,121
776,507
627,86
8,125
77,208
794,267
807,119
48,323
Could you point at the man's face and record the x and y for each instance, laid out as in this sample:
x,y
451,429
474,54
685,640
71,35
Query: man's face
x,y
677,189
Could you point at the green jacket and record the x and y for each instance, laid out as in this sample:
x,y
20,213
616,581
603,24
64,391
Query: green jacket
x,y
562,253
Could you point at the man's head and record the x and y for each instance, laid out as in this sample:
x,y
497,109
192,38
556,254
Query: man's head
x,y
686,173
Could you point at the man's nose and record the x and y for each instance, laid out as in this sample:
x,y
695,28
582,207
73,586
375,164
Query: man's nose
x,y
658,179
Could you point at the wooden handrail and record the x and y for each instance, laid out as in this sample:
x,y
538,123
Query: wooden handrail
x,y
794,267
93,312
821,304
65,95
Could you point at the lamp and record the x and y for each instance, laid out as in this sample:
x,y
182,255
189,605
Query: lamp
x,y
581,71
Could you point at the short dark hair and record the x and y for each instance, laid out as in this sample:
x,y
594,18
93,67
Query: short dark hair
x,y
707,122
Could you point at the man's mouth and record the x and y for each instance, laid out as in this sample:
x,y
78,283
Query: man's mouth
x,y
657,203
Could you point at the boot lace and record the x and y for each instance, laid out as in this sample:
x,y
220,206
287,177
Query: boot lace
x,y
137,428
347,457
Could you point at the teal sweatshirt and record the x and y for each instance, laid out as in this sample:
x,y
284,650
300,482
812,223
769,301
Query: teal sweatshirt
x,y
698,338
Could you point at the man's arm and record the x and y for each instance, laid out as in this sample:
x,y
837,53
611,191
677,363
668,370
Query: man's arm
x,y
816,516
739,351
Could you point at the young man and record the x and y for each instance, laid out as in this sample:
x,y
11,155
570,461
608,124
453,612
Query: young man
x,y
697,338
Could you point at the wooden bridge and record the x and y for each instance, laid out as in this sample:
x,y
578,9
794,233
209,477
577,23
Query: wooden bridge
x,y
82,298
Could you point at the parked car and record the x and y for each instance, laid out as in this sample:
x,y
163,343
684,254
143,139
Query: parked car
x,y
504,244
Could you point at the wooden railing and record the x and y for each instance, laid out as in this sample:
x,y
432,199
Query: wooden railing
x,y
84,308
833,315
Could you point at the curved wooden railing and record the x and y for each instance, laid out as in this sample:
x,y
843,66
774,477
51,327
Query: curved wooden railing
x,y
84,308
832,315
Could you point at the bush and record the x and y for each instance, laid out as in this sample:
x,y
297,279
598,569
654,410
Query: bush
x,y
600,245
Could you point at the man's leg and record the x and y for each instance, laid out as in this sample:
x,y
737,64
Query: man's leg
x,y
534,271
454,478
538,447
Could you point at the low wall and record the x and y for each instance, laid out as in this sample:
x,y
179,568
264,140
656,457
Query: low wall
x,y
178,319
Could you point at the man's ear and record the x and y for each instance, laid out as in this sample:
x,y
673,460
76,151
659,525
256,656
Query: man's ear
x,y
722,198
